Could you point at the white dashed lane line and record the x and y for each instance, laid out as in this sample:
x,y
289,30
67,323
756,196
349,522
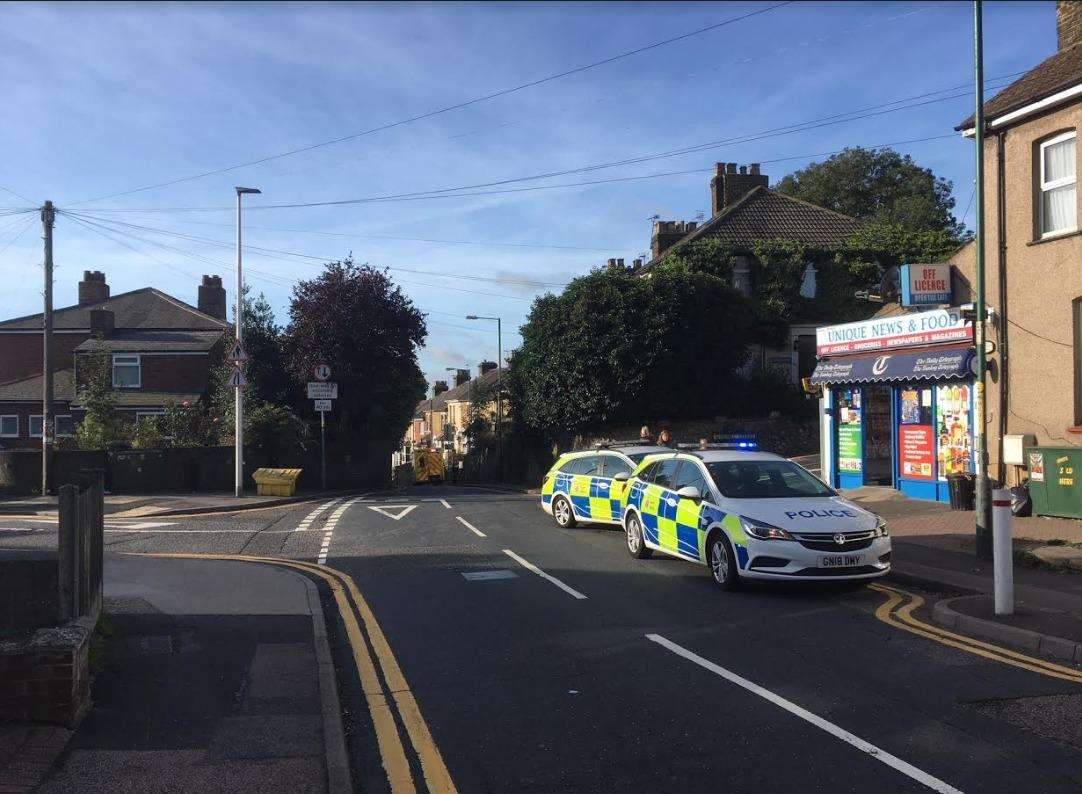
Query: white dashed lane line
x,y
445,504
471,527
306,522
328,528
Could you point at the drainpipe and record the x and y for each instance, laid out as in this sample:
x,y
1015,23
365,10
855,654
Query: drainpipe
x,y
1001,268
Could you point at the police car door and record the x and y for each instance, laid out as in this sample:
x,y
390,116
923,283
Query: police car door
x,y
583,488
689,529
661,497
608,488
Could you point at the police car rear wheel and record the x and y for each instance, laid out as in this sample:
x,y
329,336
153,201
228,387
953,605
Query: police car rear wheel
x,y
722,563
562,513
636,546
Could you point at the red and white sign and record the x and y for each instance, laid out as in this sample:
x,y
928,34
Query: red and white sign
x,y
916,452
887,333
321,372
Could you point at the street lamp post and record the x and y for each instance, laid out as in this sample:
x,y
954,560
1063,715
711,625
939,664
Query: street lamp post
x,y
238,406
499,387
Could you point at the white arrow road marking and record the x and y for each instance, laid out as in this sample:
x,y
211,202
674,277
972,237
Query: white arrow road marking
x,y
471,527
529,566
840,733
403,510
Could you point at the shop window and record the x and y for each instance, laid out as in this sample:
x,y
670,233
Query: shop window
x,y
916,442
1057,208
954,437
850,432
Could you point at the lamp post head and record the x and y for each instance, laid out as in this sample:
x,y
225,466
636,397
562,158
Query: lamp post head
x,y
471,316
241,190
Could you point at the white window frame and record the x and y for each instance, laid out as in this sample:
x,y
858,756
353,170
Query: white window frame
x,y
1043,186
141,415
131,358
9,435
30,425
56,425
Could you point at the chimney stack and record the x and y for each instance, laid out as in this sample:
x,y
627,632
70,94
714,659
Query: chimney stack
x,y
666,234
616,264
1068,23
439,387
461,376
93,289
102,322
729,185
486,366
212,297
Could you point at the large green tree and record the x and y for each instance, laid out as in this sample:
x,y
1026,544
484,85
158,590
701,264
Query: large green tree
x,y
612,347
354,318
879,184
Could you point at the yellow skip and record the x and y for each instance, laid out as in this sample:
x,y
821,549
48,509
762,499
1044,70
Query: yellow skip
x,y
391,750
902,618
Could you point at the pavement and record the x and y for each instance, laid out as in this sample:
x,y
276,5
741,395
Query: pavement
x,y
474,638
208,680
151,505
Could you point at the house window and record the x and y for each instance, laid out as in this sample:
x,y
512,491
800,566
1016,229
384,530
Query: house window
x,y
9,427
1058,208
126,374
65,427
36,424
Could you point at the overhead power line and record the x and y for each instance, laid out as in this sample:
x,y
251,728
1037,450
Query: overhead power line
x,y
17,195
449,108
905,103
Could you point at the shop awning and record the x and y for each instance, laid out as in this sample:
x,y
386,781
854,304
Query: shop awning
x,y
926,364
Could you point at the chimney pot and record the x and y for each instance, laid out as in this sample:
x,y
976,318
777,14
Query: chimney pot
x,y
730,168
212,297
93,288
743,169
728,188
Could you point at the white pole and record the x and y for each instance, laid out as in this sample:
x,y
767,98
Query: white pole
x,y
1002,558
238,410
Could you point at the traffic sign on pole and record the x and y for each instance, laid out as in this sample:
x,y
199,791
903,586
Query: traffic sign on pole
x,y
237,354
323,405
321,372
237,379
322,391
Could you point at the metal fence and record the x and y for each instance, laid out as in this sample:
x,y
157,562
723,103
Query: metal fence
x,y
79,548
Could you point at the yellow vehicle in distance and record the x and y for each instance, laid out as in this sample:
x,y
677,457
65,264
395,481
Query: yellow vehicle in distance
x,y
427,465
581,486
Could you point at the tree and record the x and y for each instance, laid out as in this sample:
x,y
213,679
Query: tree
x,y
275,435
355,319
613,347
268,380
100,428
878,184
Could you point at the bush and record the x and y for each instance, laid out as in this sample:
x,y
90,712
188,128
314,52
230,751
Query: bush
x,y
275,435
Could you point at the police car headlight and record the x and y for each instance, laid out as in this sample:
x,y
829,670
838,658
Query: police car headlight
x,y
881,530
760,530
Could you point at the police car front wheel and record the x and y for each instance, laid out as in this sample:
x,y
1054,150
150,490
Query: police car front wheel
x,y
636,546
562,513
722,562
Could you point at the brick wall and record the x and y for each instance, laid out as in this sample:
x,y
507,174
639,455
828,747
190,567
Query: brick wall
x,y
175,373
1068,23
46,678
20,354
24,411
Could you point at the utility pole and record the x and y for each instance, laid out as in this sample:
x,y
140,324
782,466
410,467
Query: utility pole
x,y
48,216
980,438
238,405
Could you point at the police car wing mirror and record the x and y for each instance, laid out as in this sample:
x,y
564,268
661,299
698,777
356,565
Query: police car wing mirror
x,y
622,476
689,492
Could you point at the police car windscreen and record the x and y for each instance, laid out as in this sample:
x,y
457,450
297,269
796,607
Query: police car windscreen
x,y
764,479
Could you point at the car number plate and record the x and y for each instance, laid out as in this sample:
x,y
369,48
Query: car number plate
x,y
840,560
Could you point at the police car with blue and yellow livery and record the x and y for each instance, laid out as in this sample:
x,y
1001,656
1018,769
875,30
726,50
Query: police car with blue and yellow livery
x,y
749,515
583,485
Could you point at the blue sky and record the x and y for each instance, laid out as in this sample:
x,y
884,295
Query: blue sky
x,y
105,98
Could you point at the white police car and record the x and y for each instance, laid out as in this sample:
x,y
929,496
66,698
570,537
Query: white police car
x,y
750,515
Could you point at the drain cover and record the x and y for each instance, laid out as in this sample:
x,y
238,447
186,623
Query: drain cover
x,y
484,576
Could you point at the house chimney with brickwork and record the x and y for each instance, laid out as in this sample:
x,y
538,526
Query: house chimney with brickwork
x,y
93,289
212,297
730,185
666,234
485,366
102,322
461,376
439,387
1068,23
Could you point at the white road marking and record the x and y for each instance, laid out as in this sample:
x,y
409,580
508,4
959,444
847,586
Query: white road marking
x,y
531,567
306,522
877,753
445,504
471,527
328,528
110,522
403,510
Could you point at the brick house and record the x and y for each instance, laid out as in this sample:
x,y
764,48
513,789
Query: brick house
x,y
160,350
450,407
1032,252
744,212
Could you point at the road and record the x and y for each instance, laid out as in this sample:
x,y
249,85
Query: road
x,y
550,660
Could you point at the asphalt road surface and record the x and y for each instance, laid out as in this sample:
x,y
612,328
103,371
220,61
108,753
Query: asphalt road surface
x,y
550,660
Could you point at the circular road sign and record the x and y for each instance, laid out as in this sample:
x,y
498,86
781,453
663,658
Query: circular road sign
x,y
321,372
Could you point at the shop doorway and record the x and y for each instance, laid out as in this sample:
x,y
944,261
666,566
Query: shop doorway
x,y
878,457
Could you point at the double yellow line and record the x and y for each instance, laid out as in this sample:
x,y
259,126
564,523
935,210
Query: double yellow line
x,y
897,612
378,695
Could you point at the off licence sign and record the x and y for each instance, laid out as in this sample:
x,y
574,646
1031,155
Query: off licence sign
x,y
322,391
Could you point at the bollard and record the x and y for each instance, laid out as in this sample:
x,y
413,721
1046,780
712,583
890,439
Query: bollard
x,y
1002,557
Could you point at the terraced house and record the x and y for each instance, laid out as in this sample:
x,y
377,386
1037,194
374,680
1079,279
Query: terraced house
x,y
159,350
